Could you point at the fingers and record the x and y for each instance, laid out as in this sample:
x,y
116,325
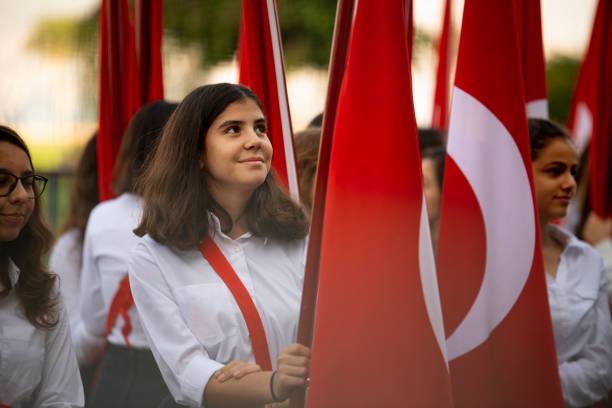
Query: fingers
x,y
293,370
235,369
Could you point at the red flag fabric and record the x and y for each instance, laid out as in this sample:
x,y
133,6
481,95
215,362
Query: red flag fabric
x,y
492,285
591,112
529,23
260,41
439,117
118,86
410,27
378,336
148,15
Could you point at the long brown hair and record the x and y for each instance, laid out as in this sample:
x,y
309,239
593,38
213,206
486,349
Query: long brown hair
x,y
35,285
175,193
84,194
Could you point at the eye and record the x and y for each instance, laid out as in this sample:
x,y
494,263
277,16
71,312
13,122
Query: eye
x,y
574,171
261,128
5,180
28,182
232,130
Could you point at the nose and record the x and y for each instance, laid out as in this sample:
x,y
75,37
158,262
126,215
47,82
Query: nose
x,y
253,140
569,182
19,193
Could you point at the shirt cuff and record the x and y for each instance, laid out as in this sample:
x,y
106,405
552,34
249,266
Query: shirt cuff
x,y
197,374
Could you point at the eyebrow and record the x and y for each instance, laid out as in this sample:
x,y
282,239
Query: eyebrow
x,y
240,122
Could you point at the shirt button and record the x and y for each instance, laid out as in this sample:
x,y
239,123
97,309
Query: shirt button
x,y
236,249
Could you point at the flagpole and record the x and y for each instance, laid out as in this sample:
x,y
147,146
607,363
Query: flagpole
x,y
342,29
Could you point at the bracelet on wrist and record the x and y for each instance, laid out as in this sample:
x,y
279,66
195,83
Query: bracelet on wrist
x,y
274,397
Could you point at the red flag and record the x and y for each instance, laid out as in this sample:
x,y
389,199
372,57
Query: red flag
x,y
591,112
118,86
378,335
529,23
492,284
337,62
440,109
410,27
148,15
260,41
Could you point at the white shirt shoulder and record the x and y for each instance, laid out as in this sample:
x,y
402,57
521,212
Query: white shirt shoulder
x,y
65,262
37,366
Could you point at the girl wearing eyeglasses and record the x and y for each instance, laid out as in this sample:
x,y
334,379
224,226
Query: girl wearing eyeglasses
x,y
212,210
37,364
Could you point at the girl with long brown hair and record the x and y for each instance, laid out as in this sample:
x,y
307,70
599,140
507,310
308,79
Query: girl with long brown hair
x,y
575,277
37,363
209,187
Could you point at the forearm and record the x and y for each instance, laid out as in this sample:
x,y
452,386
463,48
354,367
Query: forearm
x,y
250,391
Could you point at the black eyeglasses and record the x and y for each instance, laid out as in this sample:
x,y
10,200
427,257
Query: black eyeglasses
x,y
33,184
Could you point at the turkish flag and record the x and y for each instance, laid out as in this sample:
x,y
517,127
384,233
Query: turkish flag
x,y
439,118
148,17
119,87
262,69
378,337
492,285
591,112
529,26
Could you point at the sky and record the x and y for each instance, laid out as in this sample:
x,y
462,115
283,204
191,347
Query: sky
x,y
41,98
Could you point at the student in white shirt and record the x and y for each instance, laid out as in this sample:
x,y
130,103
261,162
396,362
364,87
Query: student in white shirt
x,y
109,324
37,364
65,258
575,276
210,179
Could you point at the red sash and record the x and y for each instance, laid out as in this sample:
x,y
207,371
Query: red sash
x,y
4,406
121,304
217,260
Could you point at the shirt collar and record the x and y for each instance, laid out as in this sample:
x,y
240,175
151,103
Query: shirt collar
x,y
567,239
13,274
214,228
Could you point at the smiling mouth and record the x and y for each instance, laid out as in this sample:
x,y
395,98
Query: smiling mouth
x,y
13,217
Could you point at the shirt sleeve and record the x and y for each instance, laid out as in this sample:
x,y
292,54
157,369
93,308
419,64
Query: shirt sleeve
x,y
588,378
183,361
61,382
89,336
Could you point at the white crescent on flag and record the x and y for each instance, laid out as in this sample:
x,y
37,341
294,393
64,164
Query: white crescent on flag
x,y
477,132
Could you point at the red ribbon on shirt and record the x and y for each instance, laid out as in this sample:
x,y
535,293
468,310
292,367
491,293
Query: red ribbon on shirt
x,y
4,406
121,304
220,264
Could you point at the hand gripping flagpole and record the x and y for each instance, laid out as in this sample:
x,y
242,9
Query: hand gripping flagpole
x,y
342,29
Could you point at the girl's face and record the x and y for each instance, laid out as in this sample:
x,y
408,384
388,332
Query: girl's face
x,y
431,189
554,172
15,208
237,152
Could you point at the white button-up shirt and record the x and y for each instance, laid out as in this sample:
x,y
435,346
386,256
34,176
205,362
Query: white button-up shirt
x,y
65,261
191,318
581,321
37,366
109,238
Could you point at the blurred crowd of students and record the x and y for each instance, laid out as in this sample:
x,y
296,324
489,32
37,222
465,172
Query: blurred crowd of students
x,y
133,296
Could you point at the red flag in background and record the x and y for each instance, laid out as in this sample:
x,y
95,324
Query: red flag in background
x,y
439,117
378,336
492,284
118,86
148,15
260,41
529,23
591,112
410,27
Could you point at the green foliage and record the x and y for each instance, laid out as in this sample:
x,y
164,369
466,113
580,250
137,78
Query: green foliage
x,y
561,74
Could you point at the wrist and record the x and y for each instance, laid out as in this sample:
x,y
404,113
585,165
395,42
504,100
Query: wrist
x,y
273,386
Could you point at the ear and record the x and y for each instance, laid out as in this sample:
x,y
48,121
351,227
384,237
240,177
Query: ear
x,y
201,163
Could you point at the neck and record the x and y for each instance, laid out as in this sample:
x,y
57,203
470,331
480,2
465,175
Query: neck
x,y
545,239
234,203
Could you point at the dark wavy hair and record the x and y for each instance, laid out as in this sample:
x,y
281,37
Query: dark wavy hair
x,y
307,144
139,141
35,287
84,194
542,132
174,186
